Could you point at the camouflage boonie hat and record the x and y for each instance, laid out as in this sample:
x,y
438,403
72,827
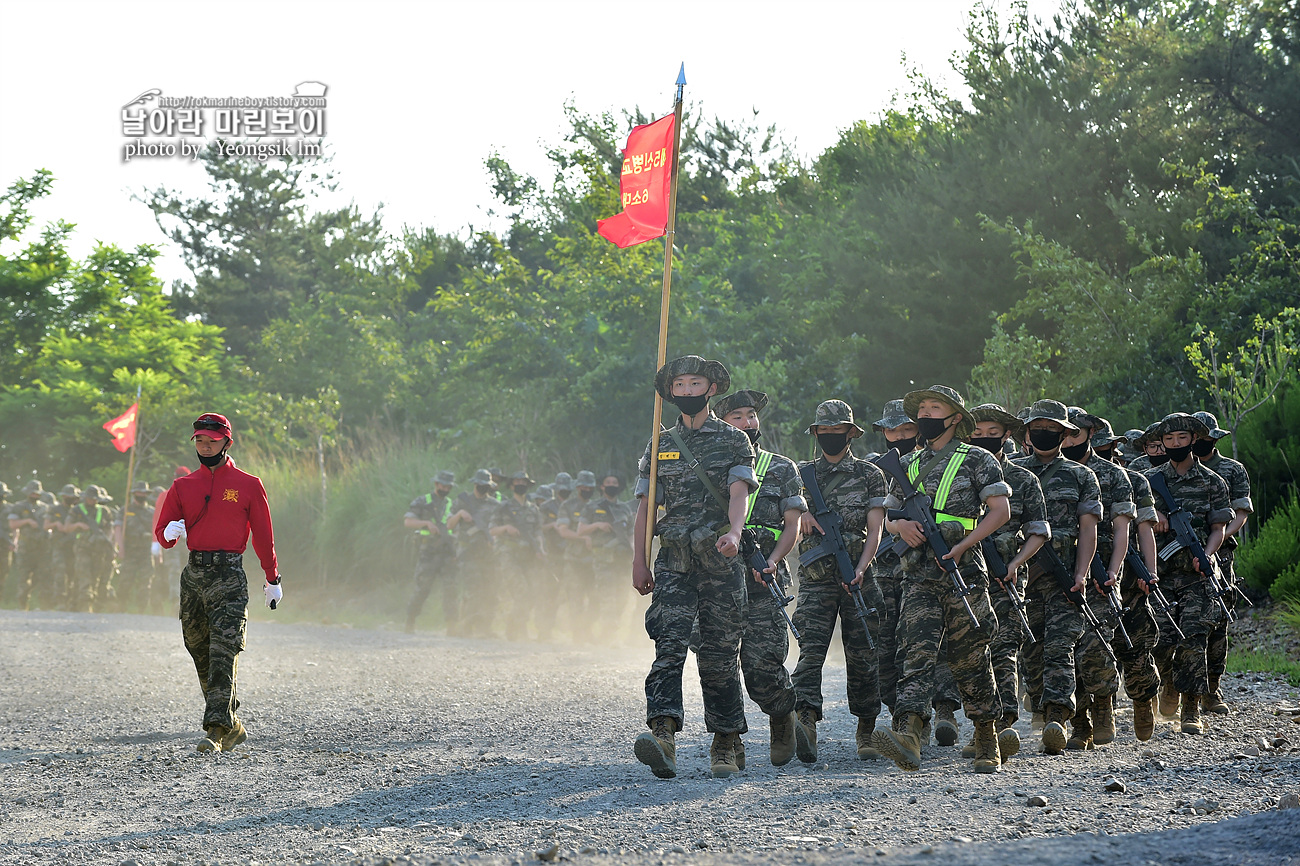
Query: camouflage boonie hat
x,y
996,414
1133,435
586,478
1181,421
445,476
691,365
1082,418
1208,419
563,481
832,412
912,402
1023,414
521,475
1103,434
33,486
892,417
496,472
739,400
140,487
94,491
1050,410
70,490
483,476
546,490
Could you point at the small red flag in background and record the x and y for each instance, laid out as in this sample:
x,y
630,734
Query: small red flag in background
x,y
123,428
645,183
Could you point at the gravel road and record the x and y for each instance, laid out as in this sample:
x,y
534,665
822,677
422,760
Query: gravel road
x,y
366,745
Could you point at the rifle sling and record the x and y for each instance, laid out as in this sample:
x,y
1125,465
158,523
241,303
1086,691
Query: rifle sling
x,y
698,470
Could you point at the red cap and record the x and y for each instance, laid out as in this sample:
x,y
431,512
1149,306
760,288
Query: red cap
x,y
213,426
181,471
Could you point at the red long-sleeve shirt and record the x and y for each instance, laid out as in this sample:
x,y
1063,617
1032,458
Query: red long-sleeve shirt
x,y
236,503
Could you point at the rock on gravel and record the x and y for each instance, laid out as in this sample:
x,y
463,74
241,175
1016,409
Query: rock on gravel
x,y
370,746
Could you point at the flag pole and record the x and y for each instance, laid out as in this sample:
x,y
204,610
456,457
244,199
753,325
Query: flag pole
x,y
130,471
662,357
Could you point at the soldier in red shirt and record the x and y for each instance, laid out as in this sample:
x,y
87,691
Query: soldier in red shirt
x,y
214,509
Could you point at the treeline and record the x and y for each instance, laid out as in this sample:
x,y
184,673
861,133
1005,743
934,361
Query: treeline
x,y
1108,190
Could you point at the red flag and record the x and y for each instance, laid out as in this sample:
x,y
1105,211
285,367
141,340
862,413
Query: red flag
x,y
123,428
645,183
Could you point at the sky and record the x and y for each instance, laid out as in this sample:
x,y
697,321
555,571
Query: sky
x,y
421,93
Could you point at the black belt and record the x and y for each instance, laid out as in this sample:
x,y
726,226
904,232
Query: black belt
x,y
208,558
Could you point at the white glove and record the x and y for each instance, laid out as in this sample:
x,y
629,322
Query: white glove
x,y
273,594
155,549
174,530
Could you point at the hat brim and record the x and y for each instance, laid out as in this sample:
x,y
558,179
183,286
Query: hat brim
x,y
1217,433
893,422
861,432
1068,425
1006,419
912,404
210,434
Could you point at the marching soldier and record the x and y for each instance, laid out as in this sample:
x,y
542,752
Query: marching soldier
x,y
135,528
554,567
428,515
516,529
63,556
1073,498
854,489
93,522
1238,481
773,514
705,474
578,562
471,521
970,501
31,555
608,523
1153,451
6,537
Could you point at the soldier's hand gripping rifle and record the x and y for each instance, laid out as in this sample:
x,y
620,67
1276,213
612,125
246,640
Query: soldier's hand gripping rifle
x,y
998,569
917,507
1099,577
753,555
1050,561
1155,595
832,545
1180,522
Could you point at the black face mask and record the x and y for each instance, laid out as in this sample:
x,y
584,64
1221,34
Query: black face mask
x,y
1159,459
904,446
585,492
1177,455
1045,440
691,406
832,443
612,492
932,428
1107,453
753,435
992,444
562,494
483,489
1203,448
521,489
213,461
1075,452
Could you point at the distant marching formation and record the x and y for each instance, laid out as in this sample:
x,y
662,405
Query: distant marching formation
x,y
986,555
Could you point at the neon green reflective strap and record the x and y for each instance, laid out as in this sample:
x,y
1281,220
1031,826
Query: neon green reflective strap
x,y
944,490
760,472
968,522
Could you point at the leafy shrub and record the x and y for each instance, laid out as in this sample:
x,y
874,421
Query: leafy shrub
x,y
1271,561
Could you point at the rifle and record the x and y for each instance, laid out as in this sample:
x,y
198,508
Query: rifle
x,y
917,506
1133,560
754,557
1185,537
832,545
1232,583
1099,576
998,569
1050,561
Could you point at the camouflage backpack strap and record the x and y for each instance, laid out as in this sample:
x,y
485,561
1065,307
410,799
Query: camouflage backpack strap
x,y
1050,472
697,469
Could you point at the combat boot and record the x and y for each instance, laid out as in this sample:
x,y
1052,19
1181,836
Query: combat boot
x,y
1191,719
1144,720
945,726
968,750
657,748
987,757
1080,730
1008,739
1212,701
1103,719
234,736
783,728
805,735
901,742
724,760
866,751
211,742
1168,700
740,752
927,730
1054,716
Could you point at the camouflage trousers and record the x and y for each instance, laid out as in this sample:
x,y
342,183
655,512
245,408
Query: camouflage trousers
x,y
891,604
519,569
1216,646
821,604
1094,672
608,595
578,579
63,574
94,588
1141,680
1004,648
478,573
1057,626
932,614
718,597
135,582
435,565
764,648
1184,660
30,568
214,619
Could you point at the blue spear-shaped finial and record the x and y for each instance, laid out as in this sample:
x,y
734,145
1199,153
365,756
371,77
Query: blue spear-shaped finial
x,y
681,80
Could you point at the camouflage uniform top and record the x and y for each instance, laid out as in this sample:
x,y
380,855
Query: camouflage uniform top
x,y
568,513
725,455
475,534
1071,492
138,520
1202,494
550,510
1028,511
61,513
25,509
616,514
858,487
979,479
523,516
1116,495
781,490
100,520
1141,463
435,509
1238,480
1143,498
